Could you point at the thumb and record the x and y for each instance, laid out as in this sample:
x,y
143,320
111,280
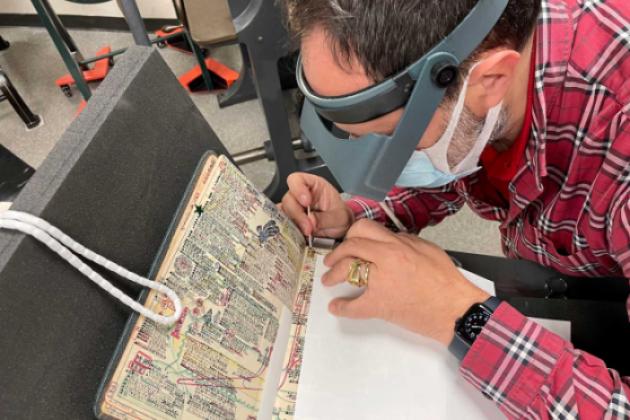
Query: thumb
x,y
350,308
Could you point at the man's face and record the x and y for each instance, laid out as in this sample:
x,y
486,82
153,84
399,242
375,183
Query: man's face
x,y
328,78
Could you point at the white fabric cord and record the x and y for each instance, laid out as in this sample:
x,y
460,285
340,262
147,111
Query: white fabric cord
x,y
62,244
392,216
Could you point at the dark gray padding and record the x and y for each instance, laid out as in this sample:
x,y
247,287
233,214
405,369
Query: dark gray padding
x,y
14,174
113,182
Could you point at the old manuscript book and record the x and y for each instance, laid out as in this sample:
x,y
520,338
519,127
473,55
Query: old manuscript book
x,y
255,339
244,275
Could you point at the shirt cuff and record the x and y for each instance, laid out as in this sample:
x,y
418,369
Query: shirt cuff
x,y
512,359
364,210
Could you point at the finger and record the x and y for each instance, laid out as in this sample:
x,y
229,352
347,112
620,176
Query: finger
x,y
338,273
366,228
302,186
358,308
362,248
296,212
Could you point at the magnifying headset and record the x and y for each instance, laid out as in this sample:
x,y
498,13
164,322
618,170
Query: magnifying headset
x,y
370,165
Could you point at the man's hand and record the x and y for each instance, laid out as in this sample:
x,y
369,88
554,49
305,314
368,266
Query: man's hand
x,y
330,217
412,283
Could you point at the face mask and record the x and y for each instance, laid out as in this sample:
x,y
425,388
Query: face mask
x,y
429,168
420,173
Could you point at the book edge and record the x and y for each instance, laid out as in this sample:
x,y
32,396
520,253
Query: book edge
x,y
155,267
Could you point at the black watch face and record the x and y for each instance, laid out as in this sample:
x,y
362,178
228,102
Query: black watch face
x,y
473,323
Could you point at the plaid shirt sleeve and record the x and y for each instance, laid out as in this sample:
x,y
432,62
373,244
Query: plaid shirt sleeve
x,y
415,208
531,372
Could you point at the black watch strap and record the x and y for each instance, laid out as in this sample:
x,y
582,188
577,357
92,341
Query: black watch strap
x,y
492,303
459,346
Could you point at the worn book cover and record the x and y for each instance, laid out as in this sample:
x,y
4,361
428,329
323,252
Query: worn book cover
x,y
244,275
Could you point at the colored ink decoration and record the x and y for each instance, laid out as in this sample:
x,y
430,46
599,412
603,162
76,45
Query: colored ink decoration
x,y
268,231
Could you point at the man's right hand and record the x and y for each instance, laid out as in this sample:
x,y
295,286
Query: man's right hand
x,y
330,217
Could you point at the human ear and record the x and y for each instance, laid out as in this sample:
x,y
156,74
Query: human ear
x,y
492,77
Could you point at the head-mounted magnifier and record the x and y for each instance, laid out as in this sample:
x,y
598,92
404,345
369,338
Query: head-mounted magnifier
x,y
370,165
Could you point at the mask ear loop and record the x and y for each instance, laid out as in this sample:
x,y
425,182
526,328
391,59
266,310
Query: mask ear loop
x,y
472,159
61,244
392,216
438,153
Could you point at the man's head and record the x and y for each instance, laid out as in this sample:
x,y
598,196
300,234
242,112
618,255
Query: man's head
x,y
348,45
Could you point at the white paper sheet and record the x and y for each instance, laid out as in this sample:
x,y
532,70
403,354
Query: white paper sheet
x,y
374,370
270,388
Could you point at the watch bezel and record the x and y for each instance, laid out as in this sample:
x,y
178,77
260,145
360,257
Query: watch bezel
x,y
473,310
461,343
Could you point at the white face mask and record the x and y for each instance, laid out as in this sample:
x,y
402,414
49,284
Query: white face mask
x,y
429,168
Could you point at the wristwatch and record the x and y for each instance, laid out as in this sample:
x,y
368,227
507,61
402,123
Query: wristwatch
x,y
468,327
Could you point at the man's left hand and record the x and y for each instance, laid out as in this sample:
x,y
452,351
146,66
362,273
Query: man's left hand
x,y
412,283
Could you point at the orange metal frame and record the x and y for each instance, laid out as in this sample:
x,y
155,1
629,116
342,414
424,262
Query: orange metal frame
x,y
98,72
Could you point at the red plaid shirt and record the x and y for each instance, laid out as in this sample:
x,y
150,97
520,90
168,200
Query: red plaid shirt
x,y
569,209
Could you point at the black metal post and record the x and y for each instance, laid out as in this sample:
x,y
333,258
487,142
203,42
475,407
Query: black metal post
x,y
4,44
9,93
64,43
65,35
200,59
244,88
264,40
134,20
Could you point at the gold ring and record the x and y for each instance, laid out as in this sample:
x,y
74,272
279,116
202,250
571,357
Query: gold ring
x,y
359,273
353,274
365,274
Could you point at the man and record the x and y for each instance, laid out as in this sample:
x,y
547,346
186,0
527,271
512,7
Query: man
x,y
542,105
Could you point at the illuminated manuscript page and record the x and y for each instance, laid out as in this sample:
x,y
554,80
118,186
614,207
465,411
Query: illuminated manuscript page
x,y
284,407
235,262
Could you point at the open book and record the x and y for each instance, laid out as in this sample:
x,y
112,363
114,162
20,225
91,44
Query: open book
x,y
240,350
244,275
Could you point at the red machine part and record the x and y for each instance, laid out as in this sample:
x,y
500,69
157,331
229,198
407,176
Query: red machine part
x,y
98,72
178,43
222,76
81,107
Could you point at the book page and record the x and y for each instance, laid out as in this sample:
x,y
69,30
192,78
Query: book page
x,y
286,397
370,369
234,261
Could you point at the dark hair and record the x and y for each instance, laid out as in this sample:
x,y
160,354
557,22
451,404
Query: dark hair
x,y
388,35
